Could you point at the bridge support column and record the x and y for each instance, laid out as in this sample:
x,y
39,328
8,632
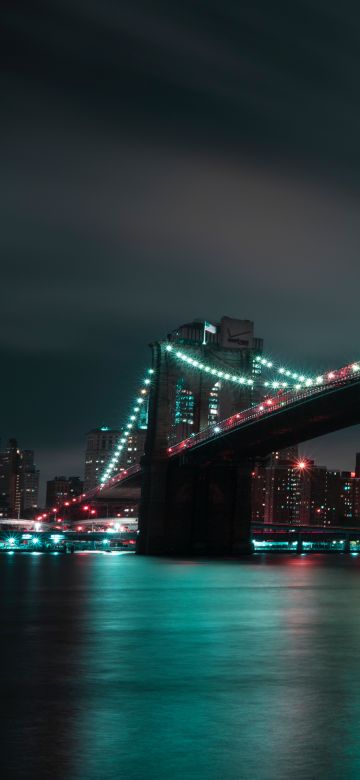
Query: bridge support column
x,y
192,509
221,510
153,506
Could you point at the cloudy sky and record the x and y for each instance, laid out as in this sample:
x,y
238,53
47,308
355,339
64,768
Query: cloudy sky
x,y
164,161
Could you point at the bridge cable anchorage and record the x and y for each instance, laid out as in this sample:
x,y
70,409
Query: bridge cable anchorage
x,y
142,397
267,406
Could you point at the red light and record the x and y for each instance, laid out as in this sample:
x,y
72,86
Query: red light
x,y
67,503
54,509
79,528
85,508
93,512
59,520
353,474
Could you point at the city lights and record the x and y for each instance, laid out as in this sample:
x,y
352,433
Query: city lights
x,y
208,369
133,417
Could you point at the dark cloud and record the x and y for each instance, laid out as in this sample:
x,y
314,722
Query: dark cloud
x,y
165,161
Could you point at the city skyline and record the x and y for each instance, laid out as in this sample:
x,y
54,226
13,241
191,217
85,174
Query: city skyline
x,y
335,450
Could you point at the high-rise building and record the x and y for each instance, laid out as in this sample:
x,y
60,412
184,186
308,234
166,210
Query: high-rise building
x,y
287,494
100,443
318,482
258,492
29,482
61,489
19,481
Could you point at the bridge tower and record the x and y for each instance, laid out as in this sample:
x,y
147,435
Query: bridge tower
x,y
189,505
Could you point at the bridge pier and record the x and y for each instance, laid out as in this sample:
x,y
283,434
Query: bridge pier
x,y
195,509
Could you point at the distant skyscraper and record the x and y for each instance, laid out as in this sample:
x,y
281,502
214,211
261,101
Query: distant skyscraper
x,y
19,481
287,495
29,482
61,489
100,443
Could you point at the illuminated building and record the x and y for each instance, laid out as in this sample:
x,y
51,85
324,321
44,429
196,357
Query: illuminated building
x,y
134,448
258,493
19,481
287,494
61,489
318,495
100,443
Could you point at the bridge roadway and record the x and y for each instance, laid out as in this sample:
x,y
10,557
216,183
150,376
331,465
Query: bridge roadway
x,y
282,421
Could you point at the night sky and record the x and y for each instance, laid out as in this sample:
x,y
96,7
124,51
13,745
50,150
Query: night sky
x,y
164,161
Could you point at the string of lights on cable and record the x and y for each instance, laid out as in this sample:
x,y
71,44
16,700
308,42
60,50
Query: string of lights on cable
x,y
201,365
206,368
290,379
133,418
301,381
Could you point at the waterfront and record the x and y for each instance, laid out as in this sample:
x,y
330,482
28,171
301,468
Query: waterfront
x,y
119,666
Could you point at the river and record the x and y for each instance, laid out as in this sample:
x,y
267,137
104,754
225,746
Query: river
x,y
116,666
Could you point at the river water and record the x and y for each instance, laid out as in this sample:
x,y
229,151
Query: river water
x,y
116,666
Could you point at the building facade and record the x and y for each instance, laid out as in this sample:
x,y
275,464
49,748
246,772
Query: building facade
x,y
62,489
100,443
19,482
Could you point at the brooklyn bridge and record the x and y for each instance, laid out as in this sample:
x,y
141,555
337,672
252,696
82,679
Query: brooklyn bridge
x,y
211,406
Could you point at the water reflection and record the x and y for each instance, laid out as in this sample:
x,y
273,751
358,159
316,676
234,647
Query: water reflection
x,y
123,666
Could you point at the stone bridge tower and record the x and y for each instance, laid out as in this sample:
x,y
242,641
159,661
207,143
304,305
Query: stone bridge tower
x,y
175,498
